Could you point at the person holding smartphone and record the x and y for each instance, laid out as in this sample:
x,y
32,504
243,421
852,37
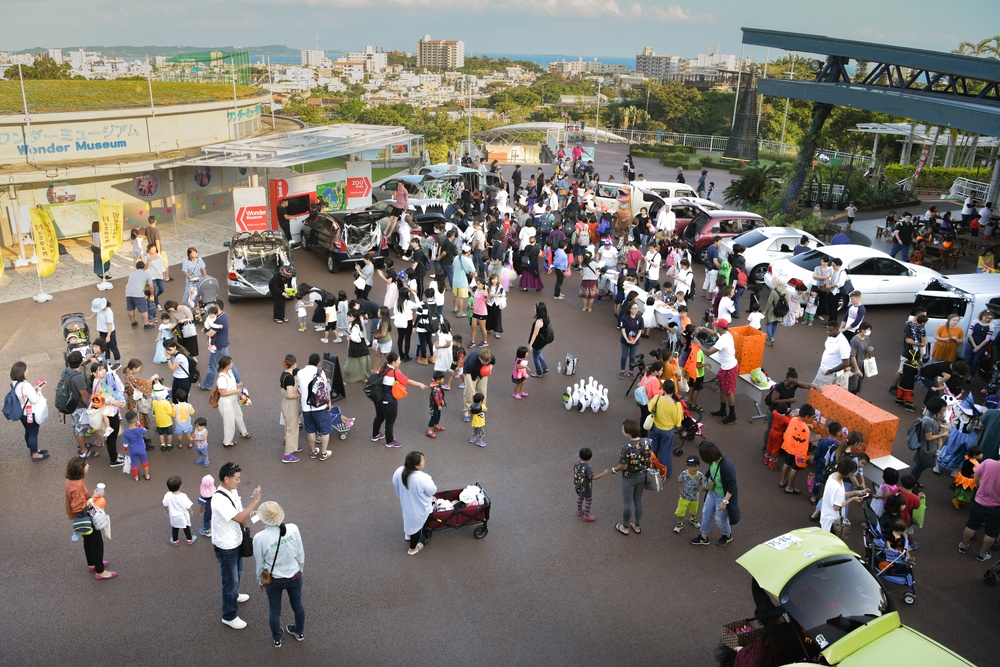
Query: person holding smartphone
x,y
34,408
228,517
836,498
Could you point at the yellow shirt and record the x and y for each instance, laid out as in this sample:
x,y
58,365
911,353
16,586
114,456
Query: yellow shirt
x,y
667,414
164,411
183,412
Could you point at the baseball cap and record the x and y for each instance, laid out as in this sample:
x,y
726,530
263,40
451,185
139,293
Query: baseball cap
x,y
721,323
693,461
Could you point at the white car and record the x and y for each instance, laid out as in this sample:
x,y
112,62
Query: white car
x,y
880,278
767,245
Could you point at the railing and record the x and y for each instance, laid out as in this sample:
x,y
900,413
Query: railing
x,y
964,187
906,185
824,192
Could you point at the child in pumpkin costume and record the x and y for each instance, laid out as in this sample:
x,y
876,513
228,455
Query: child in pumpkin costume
x,y
776,435
795,444
965,482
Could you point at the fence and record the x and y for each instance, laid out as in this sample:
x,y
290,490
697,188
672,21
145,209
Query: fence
x,y
964,187
702,142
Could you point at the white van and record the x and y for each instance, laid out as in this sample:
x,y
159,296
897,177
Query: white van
x,y
666,189
965,295
474,180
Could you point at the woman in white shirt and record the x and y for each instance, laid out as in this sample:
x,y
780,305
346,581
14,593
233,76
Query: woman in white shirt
x,y
653,259
33,406
835,497
403,317
415,490
229,402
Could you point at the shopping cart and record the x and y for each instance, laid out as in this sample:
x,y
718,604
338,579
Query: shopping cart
x,y
462,515
341,424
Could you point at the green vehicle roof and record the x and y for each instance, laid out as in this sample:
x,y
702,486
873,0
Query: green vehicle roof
x,y
776,561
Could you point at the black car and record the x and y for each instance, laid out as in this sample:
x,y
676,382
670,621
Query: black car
x,y
345,237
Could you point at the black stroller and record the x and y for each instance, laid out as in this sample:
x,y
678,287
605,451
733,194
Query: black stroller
x,y
885,562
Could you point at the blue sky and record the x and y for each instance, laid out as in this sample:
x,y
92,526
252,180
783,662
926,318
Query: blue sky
x,y
605,27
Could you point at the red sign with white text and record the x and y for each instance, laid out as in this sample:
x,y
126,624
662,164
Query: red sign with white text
x,y
358,186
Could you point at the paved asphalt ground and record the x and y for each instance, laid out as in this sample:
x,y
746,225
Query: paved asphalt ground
x,y
541,588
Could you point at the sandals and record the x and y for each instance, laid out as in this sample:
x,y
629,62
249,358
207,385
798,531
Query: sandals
x,y
246,436
621,529
430,433
782,485
636,528
792,492
89,455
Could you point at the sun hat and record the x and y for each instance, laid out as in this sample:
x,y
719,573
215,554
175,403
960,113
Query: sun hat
x,y
207,487
271,513
98,304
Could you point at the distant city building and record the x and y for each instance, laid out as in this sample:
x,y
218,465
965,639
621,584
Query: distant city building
x,y
374,61
654,66
583,67
712,62
56,56
312,57
440,53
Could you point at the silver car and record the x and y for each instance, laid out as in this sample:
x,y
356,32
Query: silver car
x,y
254,257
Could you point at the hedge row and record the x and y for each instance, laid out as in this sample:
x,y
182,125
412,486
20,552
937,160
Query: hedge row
x,y
934,178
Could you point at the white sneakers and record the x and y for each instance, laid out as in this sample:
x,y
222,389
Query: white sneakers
x,y
237,623
242,597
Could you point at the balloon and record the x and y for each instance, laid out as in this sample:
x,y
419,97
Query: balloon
x,y
485,371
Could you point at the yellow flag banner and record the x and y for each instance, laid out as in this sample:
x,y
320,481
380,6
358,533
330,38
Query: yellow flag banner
x,y
112,215
46,246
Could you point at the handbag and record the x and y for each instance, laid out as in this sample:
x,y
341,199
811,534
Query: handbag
x,y
682,385
360,283
647,423
841,527
99,517
870,367
246,546
213,397
188,329
399,391
653,480
83,524
144,404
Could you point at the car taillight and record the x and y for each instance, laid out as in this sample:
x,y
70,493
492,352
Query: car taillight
x,y
340,245
233,276
769,270
384,243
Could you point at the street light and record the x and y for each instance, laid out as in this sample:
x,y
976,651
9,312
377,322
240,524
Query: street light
x,y
597,125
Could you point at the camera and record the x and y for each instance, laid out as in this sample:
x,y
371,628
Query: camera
x,y
640,363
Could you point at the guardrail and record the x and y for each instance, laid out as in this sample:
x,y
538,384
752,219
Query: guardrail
x,y
963,187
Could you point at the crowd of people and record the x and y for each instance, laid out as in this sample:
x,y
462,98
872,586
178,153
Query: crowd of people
x,y
490,247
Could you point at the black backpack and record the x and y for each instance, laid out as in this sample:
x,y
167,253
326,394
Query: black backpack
x,y
547,334
193,373
374,389
318,393
781,307
66,399
428,319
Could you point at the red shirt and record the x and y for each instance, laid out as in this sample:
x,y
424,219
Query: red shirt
x,y
910,502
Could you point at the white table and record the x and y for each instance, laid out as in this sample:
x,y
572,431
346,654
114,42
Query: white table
x,y
664,313
744,387
873,469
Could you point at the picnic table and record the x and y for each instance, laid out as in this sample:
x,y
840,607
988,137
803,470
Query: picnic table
x,y
973,246
938,257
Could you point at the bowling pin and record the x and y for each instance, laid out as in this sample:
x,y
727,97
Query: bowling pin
x,y
604,400
568,398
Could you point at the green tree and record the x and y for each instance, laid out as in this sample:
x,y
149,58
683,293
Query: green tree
x,y
751,186
381,115
671,105
987,48
350,110
43,68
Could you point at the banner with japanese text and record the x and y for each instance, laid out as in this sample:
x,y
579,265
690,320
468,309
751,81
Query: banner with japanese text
x,y
112,215
43,233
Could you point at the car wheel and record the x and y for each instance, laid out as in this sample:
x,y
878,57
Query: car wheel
x,y
758,273
231,299
703,256
331,263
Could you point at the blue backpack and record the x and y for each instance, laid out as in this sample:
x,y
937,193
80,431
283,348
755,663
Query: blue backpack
x,y
12,408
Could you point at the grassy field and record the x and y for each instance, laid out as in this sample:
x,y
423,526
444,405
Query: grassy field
x,y
65,95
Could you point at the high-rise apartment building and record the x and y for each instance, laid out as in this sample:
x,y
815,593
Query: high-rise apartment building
x,y
375,61
312,57
654,66
440,53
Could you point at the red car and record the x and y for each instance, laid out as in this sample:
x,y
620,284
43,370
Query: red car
x,y
698,234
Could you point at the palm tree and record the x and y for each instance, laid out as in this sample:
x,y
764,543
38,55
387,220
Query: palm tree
x,y
750,188
988,48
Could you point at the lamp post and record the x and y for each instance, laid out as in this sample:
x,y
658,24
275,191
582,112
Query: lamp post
x,y
597,124
469,143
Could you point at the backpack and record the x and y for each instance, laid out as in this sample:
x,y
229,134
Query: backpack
x,y
12,407
914,436
604,227
374,389
526,262
741,277
318,395
547,334
545,223
640,395
66,399
768,395
193,373
781,307
428,319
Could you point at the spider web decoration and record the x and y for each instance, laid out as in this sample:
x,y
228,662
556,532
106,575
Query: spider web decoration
x,y
359,239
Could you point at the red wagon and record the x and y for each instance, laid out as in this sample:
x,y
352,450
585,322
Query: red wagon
x,y
466,515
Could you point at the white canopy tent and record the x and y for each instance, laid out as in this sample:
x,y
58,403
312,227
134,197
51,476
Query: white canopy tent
x,y
924,135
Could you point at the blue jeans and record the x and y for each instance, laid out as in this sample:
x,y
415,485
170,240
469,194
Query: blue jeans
x,y
231,567
212,368
294,588
736,300
207,516
662,441
540,365
711,510
973,359
30,435
632,488
159,287
449,270
628,353
771,328
897,247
